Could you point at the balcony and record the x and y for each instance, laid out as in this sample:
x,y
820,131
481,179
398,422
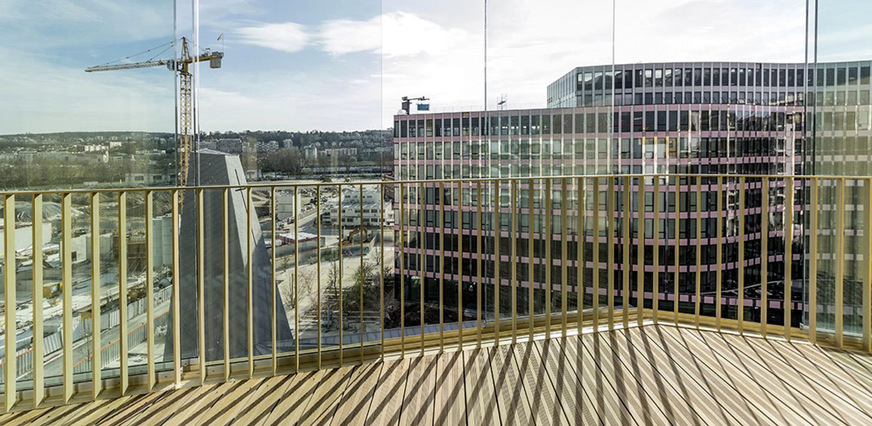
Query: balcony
x,y
261,341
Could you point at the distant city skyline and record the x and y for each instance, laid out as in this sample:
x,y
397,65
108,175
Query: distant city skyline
x,y
300,66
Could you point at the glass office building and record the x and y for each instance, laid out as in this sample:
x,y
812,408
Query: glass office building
x,y
701,123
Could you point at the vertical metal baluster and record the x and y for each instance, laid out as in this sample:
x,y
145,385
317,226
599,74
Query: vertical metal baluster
x,y
513,260
381,272
478,269
149,286
38,350
441,219
579,290
402,276
640,252
459,274
177,350
596,253
530,266
360,289
225,259
67,291
720,253
549,237
296,279
96,345
10,369
249,245
201,283
788,257
698,301
497,260
764,254
840,262
867,282
740,312
318,275
627,240
610,256
655,282
122,290
422,264
676,273
813,264
341,270
564,264
273,283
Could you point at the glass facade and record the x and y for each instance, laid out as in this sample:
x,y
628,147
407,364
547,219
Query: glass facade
x,y
63,128
640,135
840,148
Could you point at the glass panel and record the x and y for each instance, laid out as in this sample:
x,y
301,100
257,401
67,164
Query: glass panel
x,y
841,146
710,141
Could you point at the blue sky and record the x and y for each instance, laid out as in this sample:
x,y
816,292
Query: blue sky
x,y
344,64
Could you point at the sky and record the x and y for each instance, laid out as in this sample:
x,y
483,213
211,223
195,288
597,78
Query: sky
x,y
344,64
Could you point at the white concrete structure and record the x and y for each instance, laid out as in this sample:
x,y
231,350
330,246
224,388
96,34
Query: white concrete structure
x,y
371,213
287,205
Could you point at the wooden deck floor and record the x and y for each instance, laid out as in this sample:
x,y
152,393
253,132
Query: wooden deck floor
x,y
649,375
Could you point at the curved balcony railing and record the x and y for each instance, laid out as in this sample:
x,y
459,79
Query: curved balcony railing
x,y
134,290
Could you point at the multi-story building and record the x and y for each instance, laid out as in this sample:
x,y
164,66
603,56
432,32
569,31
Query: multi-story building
x,y
681,119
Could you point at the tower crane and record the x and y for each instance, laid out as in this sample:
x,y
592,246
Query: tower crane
x,y
182,66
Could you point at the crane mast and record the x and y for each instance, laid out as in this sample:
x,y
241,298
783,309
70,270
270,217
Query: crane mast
x,y
186,117
182,66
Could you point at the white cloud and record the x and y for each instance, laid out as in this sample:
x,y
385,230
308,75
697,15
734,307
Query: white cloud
x,y
343,36
393,35
286,37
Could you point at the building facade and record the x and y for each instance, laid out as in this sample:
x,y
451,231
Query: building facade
x,y
684,120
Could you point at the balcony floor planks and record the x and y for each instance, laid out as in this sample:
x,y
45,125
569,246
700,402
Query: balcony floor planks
x,y
450,395
293,401
711,398
419,399
262,401
481,398
658,386
575,403
47,415
162,410
325,399
387,399
829,389
816,400
650,374
357,395
138,405
544,401
514,408
605,359
605,402
781,403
